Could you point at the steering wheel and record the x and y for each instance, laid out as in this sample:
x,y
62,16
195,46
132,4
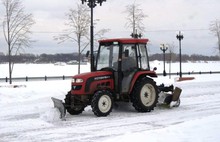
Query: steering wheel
x,y
108,69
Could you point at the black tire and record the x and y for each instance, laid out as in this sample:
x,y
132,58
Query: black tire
x,y
144,95
168,99
73,110
102,103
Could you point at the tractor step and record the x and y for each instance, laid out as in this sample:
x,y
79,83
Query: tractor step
x,y
60,106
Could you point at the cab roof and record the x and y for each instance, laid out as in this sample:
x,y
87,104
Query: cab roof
x,y
125,40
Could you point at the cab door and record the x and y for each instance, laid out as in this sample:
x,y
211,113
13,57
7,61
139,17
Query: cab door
x,y
128,66
107,60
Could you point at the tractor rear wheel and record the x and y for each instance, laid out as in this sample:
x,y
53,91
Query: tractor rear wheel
x,y
145,95
102,103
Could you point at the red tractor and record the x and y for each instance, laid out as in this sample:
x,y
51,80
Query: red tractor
x,y
121,73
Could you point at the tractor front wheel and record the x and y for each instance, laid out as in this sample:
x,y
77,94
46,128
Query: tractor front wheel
x,y
145,95
102,103
75,110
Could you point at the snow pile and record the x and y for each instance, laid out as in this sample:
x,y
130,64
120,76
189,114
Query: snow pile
x,y
51,115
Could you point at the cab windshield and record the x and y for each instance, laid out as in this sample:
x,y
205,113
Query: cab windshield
x,y
108,57
108,54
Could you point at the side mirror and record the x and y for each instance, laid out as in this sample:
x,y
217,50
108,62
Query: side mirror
x,y
87,54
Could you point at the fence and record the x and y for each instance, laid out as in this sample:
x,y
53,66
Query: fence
x,y
48,78
191,73
45,78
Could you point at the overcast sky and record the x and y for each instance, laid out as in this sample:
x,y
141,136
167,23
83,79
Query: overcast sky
x,y
165,19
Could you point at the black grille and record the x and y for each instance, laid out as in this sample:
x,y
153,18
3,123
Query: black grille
x,y
76,87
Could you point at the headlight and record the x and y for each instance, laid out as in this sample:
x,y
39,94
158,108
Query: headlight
x,y
73,80
79,80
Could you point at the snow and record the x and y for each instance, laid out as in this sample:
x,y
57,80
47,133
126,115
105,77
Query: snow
x,y
197,130
27,112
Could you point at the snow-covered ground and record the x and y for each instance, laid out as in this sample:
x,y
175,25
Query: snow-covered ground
x,y
27,113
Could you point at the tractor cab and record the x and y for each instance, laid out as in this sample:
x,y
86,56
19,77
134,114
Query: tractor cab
x,y
123,57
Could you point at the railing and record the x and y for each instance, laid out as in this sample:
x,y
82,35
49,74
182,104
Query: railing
x,y
48,78
191,73
45,78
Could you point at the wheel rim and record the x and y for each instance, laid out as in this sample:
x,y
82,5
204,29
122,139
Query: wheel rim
x,y
148,95
105,103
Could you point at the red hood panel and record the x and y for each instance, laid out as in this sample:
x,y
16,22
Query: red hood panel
x,y
92,74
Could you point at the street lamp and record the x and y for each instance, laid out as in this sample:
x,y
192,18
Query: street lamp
x,y
92,4
179,36
164,48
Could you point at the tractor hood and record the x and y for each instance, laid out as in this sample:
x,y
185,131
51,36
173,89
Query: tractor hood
x,y
87,83
97,75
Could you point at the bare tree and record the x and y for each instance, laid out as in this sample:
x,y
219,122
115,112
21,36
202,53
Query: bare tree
x,y
135,17
16,29
78,29
215,29
171,50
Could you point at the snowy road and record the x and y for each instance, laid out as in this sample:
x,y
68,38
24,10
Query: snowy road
x,y
27,114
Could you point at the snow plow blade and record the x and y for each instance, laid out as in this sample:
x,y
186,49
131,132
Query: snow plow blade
x,y
176,97
176,94
60,106
169,96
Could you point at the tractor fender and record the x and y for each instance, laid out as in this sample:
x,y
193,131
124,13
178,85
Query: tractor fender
x,y
141,74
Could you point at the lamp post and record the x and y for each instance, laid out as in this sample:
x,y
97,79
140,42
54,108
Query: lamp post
x,y
164,48
179,36
92,4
